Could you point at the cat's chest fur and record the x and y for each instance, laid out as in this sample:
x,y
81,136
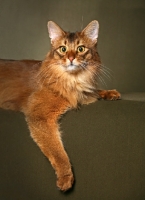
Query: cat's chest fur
x,y
75,88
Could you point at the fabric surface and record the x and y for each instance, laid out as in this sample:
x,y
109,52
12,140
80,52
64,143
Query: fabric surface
x,y
134,96
105,142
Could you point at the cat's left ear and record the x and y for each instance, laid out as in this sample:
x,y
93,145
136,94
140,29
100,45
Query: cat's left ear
x,y
54,31
92,30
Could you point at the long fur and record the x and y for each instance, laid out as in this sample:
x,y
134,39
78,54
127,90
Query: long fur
x,y
44,90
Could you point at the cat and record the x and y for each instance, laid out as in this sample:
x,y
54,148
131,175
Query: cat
x,y
45,90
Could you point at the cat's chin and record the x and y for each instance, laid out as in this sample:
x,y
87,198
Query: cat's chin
x,y
72,68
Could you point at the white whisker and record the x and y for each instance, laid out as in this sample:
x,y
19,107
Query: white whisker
x,y
82,22
43,73
96,73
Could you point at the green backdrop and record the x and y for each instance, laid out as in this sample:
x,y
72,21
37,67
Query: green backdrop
x,y
23,33
105,140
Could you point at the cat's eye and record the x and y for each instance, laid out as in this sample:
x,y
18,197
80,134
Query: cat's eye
x,y
81,49
62,49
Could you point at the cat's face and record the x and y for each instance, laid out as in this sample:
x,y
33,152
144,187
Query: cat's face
x,y
74,51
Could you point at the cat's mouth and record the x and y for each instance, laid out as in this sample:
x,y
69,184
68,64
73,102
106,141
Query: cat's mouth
x,y
75,67
72,68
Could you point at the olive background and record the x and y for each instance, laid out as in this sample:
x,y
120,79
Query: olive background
x,y
121,43
104,140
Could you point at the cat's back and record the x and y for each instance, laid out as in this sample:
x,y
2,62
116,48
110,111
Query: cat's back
x,y
16,80
18,68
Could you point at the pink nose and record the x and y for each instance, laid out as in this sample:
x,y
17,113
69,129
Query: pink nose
x,y
71,58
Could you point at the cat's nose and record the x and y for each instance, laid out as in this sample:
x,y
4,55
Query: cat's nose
x,y
71,58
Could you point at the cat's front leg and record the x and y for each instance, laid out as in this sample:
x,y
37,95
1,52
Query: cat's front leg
x,y
108,94
45,132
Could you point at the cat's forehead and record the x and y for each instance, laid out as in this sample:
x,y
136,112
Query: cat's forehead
x,y
72,38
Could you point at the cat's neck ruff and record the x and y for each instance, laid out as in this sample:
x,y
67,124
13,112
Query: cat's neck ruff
x,y
76,88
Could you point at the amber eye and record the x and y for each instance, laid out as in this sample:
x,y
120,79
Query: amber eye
x,y
63,49
81,49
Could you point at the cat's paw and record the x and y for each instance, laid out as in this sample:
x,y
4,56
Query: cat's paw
x,y
65,183
109,94
113,95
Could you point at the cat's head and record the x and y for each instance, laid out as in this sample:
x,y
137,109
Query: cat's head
x,y
74,51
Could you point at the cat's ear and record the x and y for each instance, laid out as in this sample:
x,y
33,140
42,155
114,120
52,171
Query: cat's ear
x,y
54,31
92,30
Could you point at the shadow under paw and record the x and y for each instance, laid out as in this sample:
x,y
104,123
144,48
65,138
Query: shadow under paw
x,y
65,183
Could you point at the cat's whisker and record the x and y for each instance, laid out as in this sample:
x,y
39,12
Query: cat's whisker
x,y
38,70
101,80
44,72
105,74
82,23
106,70
46,68
56,79
44,78
103,70
97,74
90,71
40,75
88,63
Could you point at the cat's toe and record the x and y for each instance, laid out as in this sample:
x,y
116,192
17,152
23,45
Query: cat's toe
x,y
113,95
65,183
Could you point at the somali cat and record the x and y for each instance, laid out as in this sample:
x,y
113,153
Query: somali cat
x,y
45,90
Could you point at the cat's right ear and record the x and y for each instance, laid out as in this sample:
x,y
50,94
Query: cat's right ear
x,y
54,31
